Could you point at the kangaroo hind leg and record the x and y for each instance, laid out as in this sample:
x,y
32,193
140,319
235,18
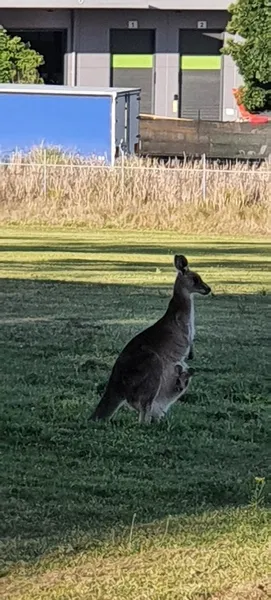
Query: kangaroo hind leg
x,y
145,415
109,404
144,384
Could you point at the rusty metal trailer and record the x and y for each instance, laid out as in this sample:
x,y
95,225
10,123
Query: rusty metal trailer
x,y
162,137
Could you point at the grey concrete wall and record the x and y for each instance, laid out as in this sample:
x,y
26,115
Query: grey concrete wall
x,y
92,42
93,50
231,79
117,4
31,19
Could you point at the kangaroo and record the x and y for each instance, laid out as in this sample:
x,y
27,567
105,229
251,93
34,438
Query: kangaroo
x,y
177,387
144,375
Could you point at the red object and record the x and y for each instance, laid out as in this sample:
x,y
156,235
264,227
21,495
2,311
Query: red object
x,y
247,116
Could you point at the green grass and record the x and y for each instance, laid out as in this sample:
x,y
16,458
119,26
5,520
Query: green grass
x,y
122,511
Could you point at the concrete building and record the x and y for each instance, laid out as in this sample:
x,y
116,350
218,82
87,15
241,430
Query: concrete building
x,y
168,48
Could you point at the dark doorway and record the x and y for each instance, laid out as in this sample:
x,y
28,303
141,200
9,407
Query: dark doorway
x,y
200,74
132,63
52,45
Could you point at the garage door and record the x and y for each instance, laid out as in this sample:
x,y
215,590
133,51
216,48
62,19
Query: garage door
x,y
132,62
200,74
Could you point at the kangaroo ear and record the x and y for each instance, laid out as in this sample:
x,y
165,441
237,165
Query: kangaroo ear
x,y
181,263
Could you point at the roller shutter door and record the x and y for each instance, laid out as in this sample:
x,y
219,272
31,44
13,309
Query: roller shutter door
x,y
132,62
200,74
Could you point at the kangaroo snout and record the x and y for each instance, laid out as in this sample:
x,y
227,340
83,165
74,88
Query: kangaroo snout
x,y
207,290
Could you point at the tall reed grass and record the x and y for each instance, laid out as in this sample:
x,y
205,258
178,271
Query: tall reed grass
x,y
53,188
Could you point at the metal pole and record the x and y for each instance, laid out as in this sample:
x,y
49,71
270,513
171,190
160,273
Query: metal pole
x,y
122,169
44,175
204,176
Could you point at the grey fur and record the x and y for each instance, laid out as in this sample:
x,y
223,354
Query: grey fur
x,y
150,374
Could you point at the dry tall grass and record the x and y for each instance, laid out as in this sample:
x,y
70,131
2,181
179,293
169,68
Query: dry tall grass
x,y
57,189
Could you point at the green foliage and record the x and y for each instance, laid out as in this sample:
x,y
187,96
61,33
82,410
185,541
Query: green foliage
x,y
251,20
18,62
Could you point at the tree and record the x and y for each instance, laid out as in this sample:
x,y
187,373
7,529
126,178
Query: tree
x,y
18,62
251,22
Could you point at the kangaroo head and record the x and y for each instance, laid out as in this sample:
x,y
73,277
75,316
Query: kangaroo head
x,y
188,280
183,377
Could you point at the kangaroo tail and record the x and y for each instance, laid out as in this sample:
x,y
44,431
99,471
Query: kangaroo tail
x,y
108,405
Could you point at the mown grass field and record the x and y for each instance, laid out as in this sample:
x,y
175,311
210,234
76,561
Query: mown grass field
x,y
179,510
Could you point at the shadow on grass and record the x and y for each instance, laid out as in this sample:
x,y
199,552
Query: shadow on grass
x,y
223,249
61,474
89,265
